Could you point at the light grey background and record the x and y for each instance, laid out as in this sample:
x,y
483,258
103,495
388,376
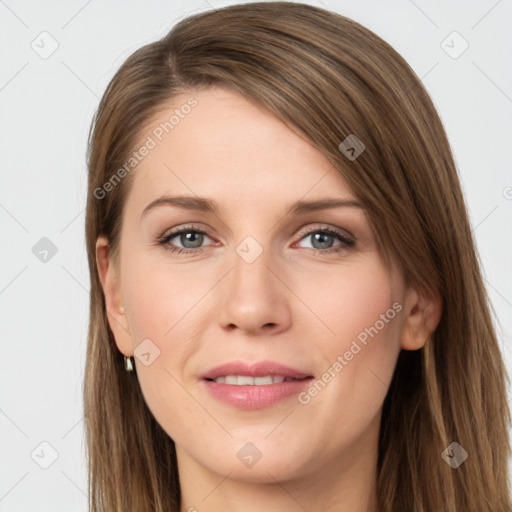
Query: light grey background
x,y
46,106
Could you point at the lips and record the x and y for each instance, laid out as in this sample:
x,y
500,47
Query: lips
x,y
254,386
258,369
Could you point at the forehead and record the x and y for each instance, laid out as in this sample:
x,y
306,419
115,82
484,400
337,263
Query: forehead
x,y
226,147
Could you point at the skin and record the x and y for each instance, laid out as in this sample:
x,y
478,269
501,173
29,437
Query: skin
x,y
293,304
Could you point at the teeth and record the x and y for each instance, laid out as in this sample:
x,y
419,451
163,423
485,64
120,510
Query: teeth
x,y
244,380
262,380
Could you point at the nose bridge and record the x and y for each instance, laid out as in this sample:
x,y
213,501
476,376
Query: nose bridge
x,y
253,251
251,272
253,296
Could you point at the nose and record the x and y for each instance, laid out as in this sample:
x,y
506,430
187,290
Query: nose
x,y
254,297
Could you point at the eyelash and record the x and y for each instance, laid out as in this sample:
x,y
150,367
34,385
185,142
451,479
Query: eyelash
x,y
346,242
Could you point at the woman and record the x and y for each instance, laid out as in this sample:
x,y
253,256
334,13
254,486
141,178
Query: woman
x,y
287,310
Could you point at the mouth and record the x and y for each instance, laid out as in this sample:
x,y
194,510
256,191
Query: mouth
x,y
247,380
254,386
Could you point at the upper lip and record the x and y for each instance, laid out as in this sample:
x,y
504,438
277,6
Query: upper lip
x,y
256,369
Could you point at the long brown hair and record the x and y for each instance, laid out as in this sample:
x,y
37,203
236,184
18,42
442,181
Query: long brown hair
x,y
326,77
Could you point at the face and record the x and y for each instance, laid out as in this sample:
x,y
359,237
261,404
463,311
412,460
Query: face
x,y
274,292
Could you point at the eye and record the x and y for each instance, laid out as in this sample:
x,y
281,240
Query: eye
x,y
191,238
322,239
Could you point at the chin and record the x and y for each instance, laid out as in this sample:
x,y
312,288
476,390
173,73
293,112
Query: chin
x,y
256,462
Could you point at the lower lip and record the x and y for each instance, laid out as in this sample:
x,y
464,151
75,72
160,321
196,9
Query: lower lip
x,y
255,397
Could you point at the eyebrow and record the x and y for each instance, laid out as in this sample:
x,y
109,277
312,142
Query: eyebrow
x,y
203,204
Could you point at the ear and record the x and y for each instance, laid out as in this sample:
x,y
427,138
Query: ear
x,y
110,282
422,315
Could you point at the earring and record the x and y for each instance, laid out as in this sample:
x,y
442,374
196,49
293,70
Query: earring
x,y
128,364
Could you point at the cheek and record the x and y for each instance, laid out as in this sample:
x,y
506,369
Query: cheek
x,y
158,295
163,304
349,300
361,308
